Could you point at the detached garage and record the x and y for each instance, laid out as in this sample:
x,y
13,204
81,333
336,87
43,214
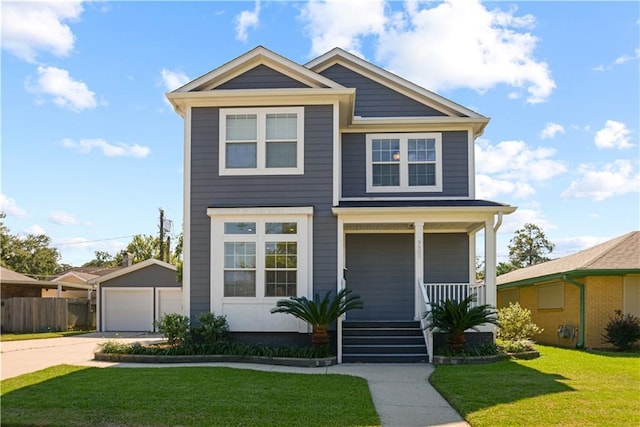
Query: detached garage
x,y
131,298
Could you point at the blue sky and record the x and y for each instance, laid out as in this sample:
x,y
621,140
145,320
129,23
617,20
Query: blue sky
x,y
91,149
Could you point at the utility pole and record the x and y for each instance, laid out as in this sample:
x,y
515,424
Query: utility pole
x,y
161,234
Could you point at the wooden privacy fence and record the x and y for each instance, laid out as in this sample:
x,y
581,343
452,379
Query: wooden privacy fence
x,y
47,314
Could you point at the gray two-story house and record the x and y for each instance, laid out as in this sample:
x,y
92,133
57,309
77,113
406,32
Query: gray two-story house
x,y
303,179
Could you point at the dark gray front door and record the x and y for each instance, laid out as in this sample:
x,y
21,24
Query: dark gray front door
x,y
380,268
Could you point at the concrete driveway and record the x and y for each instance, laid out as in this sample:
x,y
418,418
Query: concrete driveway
x,y
21,357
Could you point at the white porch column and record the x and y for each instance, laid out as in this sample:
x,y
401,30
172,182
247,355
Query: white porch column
x,y
418,233
490,263
340,280
472,258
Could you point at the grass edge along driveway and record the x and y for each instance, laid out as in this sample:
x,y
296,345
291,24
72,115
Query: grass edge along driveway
x,y
562,387
67,395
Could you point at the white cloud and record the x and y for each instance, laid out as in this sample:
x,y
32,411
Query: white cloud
x,y
551,130
32,27
622,59
491,188
510,168
342,23
120,149
10,207
613,179
63,218
173,79
35,229
440,46
571,245
247,19
613,135
522,216
517,160
65,91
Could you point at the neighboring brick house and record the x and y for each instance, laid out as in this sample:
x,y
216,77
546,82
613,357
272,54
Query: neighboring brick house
x,y
573,297
303,179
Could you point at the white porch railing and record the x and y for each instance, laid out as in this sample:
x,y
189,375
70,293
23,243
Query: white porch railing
x,y
341,285
431,293
438,292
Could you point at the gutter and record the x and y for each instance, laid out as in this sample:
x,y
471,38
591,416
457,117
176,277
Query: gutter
x,y
565,277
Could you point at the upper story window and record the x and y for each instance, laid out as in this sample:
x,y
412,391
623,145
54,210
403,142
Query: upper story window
x,y
404,162
262,141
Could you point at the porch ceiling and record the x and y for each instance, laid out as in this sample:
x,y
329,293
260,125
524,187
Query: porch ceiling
x,y
440,227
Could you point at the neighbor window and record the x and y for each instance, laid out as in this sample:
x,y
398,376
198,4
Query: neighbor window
x,y
551,296
265,141
404,162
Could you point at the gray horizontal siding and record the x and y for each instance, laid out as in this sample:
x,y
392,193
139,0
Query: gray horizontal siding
x,y
446,258
380,269
455,167
147,277
262,77
314,188
376,100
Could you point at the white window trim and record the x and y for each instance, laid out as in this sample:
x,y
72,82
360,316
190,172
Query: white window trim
x,y
261,150
404,164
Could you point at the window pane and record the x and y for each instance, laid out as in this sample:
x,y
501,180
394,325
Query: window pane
x,y
239,228
240,255
386,175
239,283
385,150
280,263
422,174
282,154
241,155
241,127
281,228
282,126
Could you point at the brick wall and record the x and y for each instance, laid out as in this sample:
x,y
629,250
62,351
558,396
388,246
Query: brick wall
x,y
603,295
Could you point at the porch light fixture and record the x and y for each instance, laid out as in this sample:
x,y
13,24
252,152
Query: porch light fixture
x,y
396,155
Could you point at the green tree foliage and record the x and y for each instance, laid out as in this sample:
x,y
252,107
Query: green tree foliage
x,y
623,331
30,255
504,267
529,246
102,259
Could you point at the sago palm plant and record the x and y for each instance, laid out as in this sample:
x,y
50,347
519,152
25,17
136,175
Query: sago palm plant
x,y
320,313
453,318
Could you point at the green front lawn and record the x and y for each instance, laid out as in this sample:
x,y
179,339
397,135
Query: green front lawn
x,y
71,395
562,387
40,335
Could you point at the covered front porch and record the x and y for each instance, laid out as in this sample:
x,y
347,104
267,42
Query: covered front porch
x,y
402,260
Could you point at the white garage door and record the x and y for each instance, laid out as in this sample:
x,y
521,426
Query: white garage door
x,y
128,309
169,300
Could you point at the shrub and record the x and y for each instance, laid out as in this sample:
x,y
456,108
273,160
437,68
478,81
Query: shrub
x,y
623,330
453,318
212,328
515,346
174,327
514,323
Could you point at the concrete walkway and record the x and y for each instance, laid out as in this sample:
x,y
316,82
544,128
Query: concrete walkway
x,y
401,393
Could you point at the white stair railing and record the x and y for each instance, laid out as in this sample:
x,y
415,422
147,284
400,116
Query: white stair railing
x,y
424,321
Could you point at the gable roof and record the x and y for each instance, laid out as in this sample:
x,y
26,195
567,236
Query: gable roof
x,y
257,56
620,254
7,275
77,274
374,72
131,269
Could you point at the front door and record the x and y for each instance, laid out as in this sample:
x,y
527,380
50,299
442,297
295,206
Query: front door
x,y
380,268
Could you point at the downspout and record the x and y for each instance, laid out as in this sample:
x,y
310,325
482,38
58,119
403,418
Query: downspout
x,y
498,222
565,277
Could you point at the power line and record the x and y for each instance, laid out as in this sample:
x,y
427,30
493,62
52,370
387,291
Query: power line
x,y
92,241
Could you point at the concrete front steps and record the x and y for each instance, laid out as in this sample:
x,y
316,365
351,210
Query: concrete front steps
x,y
383,342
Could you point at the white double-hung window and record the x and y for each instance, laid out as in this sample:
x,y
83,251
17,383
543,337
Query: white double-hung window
x,y
262,141
404,162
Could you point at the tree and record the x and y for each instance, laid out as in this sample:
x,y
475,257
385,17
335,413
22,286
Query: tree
x,y
102,259
504,268
29,255
529,246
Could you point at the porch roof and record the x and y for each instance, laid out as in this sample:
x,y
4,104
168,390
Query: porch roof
x,y
432,203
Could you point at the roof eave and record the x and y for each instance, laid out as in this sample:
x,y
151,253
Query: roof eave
x,y
573,274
